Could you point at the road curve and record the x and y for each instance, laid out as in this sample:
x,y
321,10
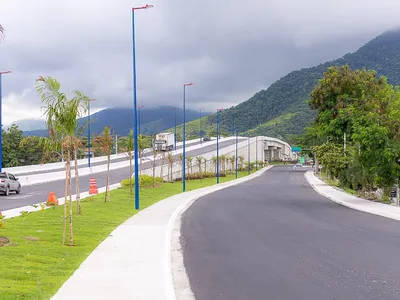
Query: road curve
x,y
275,238
38,193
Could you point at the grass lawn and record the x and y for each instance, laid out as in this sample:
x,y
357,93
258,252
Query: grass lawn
x,y
34,264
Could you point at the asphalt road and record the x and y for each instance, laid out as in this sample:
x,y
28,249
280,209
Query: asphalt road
x,y
38,193
93,164
275,238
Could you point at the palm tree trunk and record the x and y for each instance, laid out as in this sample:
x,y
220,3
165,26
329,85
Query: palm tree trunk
x,y
78,190
172,164
71,236
130,175
65,204
107,196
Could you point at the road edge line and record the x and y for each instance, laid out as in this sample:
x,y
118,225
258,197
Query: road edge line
x,y
175,270
344,203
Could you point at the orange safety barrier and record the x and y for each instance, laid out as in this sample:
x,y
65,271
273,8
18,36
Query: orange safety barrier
x,y
51,199
93,186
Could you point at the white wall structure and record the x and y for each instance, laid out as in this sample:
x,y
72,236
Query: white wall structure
x,y
259,149
276,149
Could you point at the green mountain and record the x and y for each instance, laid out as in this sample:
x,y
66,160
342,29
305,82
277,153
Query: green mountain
x,y
120,120
281,111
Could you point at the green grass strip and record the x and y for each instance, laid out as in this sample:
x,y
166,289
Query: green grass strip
x,y
34,264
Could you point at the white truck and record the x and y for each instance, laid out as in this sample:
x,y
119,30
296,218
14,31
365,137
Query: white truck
x,y
164,141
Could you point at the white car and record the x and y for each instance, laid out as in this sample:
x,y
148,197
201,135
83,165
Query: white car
x,y
8,183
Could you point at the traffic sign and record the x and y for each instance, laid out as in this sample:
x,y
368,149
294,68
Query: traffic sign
x,y
296,149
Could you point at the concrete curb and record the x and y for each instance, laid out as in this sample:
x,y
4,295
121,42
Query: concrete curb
x,y
353,202
178,277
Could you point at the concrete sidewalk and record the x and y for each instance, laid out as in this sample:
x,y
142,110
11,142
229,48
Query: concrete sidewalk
x,y
340,197
134,262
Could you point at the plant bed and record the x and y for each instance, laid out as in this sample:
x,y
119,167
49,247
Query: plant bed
x,y
34,264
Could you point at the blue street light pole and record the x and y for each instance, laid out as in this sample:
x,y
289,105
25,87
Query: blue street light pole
x,y
139,107
135,120
236,151
175,132
217,163
184,137
1,120
89,154
201,141
248,149
233,124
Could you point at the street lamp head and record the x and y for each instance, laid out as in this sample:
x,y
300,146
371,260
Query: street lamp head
x,y
188,84
5,72
143,7
219,109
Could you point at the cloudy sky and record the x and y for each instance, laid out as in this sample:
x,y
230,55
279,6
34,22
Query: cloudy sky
x,y
231,49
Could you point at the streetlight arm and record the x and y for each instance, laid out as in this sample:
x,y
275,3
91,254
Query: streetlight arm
x,y
142,7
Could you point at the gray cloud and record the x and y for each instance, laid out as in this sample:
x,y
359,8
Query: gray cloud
x,y
230,49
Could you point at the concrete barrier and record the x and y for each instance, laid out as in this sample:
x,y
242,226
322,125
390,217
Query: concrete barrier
x,y
60,175
81,162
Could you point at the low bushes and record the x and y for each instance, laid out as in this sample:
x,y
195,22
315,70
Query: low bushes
x,y
144,181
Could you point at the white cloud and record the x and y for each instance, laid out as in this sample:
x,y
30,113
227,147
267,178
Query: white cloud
x,y
230,48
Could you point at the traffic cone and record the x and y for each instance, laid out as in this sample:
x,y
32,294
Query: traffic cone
x,y
93,186
52,199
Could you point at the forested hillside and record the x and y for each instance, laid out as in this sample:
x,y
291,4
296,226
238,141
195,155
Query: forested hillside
x,y
282,109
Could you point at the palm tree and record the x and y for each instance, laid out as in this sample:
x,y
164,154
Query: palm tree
x,y
222,163
170,159
189,160
154,165
61,121
241,162
162,164
104,142
181,163
129,147
199,160
214,161
232,159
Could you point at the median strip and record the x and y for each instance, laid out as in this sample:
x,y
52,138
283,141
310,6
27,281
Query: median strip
x,y
35,264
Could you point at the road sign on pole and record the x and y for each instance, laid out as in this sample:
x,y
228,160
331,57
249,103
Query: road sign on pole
x,y
296,149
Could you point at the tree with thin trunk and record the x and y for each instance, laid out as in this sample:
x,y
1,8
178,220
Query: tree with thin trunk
x,y
181,163
128,148
104,143
214,161
154,163
61,121
170,159
222,163
189,161
232,159
241,162
199,160
205,165
162,164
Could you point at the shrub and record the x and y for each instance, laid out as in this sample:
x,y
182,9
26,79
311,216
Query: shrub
x,y
144,181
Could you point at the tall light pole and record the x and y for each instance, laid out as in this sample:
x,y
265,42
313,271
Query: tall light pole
x,y
139,107
175,132
233,124
236,151
217,165
89,154
248,148
184,137
1,120
135,121
201,141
